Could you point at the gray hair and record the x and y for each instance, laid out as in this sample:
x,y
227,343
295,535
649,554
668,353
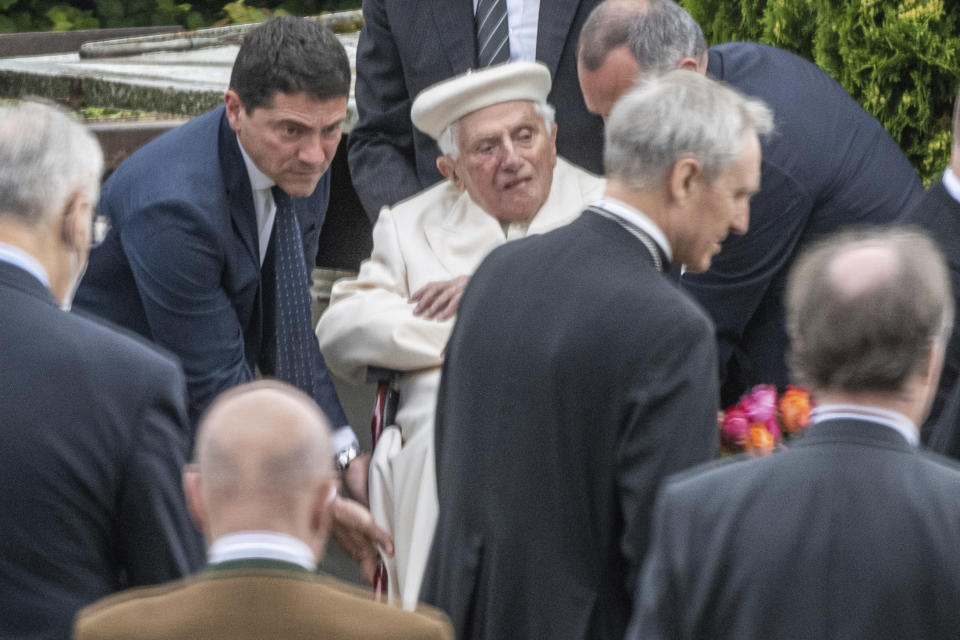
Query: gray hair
x,y
449,140
659,33
675,115
874,336
45,157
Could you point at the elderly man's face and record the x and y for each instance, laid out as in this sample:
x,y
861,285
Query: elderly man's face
x,y
506,159
293,139
718,208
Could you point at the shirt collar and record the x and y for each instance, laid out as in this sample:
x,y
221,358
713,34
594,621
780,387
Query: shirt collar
x,y
20,258
269,545
893,419
951,183
635,217
258,179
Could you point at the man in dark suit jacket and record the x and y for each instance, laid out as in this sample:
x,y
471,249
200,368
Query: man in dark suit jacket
x,y
407,46
578,375
829,165
193,218
261,489
93,422
938,212
852,532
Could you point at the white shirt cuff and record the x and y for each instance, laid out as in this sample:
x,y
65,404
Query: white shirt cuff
x,y
343,437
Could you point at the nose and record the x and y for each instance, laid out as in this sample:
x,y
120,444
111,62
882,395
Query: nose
x,y
312,151
741,221
510,158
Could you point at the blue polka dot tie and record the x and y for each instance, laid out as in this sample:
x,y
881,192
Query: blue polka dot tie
x,y
293,344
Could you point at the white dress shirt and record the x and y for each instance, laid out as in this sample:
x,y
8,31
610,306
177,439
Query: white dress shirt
x,y
892,419
20,258
261,545
522,17
266,211
951,183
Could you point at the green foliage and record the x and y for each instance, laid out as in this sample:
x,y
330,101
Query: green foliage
x,y
900,59
44,15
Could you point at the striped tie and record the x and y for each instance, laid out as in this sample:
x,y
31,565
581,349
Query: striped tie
x,y
493,42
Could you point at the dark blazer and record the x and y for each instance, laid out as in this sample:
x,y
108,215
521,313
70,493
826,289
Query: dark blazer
x,y
181,265
93,438
828,165
939,214
851,533
255,600
576,378
405,47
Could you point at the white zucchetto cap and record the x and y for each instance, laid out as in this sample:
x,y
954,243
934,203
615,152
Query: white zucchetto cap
x,y
440,105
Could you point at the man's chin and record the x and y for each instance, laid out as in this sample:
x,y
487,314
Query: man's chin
x,y
300,187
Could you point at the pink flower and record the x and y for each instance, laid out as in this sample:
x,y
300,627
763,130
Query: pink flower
x,y
760,405
735,427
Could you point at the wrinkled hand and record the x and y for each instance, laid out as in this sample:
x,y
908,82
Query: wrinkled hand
x,y
355,477
359,535
439,300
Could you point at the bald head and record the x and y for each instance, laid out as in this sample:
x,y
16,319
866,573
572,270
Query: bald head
x,y
864,308
263,453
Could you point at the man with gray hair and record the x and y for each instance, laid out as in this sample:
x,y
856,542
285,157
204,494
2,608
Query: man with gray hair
x,y
578,375
503,181
261,488
852,532
93,423
829,165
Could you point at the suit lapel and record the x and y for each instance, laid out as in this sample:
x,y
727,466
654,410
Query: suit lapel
x,y
455,32
239,192
553,27
464,236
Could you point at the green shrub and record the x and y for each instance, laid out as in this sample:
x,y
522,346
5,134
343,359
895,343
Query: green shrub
x,y
900,59
44,15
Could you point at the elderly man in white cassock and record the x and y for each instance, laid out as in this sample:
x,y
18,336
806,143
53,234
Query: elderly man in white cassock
x,y
503,181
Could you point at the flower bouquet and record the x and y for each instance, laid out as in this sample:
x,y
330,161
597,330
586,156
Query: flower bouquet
x,y
762,420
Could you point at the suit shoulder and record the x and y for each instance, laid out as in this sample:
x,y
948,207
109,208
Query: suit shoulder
x,y
113,343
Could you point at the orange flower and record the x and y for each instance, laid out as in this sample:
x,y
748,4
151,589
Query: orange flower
x,y
760,441
795,409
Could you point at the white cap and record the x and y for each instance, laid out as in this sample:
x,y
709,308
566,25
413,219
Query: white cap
x,y
440,105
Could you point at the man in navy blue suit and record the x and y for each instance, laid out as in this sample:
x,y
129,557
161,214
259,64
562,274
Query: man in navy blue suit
x,y
93,423
829,164
198,212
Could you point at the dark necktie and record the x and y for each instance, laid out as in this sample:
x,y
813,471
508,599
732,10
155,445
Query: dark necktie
x,y
493,38
289,351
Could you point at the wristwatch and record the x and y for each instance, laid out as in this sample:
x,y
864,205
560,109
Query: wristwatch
x,y
343,458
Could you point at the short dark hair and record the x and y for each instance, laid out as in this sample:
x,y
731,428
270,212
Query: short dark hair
x,y
289,55
875,338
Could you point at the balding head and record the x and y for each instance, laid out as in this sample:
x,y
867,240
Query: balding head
x,y
624,40
263,462
864,309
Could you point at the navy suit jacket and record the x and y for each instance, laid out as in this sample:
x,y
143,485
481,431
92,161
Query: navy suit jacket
x,y
939,214
827,165
576,378
93,438
408,45
851,533
181,265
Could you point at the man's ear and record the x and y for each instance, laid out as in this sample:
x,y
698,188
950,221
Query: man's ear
x,y
233,106
322,518
74,225
192,491
684,179
448,169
